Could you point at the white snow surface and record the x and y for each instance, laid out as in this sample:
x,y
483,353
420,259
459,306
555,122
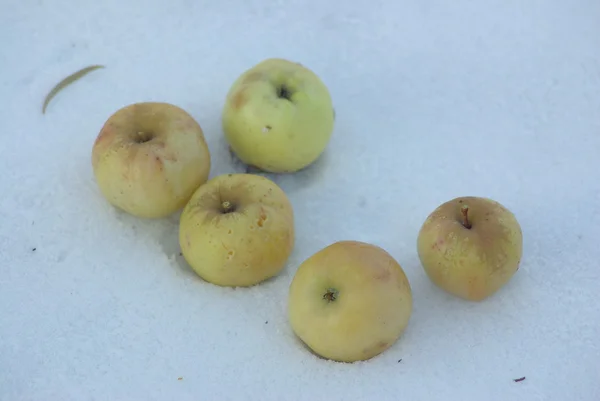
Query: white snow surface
x,y
434,100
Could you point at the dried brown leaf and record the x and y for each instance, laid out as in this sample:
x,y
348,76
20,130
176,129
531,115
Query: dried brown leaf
x,y
67,81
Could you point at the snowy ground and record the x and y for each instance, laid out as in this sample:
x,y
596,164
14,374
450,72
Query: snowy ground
x,y
434,100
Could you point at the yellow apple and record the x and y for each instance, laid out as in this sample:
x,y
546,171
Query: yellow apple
x,y
149,158
278,116
470,247
237,230
350,301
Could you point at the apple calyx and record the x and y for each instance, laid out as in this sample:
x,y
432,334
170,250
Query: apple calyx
x,y
331,295
143,137
227,207
283,92
465,214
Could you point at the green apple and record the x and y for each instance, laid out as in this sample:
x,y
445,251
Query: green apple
x,y
470,247
237,230
350,301
278,116
149,158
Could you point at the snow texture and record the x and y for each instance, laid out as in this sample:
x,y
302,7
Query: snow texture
x,y
434,99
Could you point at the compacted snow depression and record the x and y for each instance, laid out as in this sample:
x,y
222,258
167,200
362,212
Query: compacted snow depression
x,y
433,100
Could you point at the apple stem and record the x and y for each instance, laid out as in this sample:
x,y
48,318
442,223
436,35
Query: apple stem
x,y
284,93
465,213
331,295
143,137
226,206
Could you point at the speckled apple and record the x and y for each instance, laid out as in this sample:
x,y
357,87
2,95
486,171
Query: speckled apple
x,y
237,230
470,247
149,158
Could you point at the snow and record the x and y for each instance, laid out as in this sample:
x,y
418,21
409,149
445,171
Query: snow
x,y
433,100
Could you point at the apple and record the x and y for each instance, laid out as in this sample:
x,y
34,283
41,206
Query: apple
x,y
237,230
350,301
278,116
149,158
470,247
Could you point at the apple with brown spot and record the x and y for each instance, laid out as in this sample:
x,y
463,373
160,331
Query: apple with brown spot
x,y
278,116
350,301
149,158
470,247
237,230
